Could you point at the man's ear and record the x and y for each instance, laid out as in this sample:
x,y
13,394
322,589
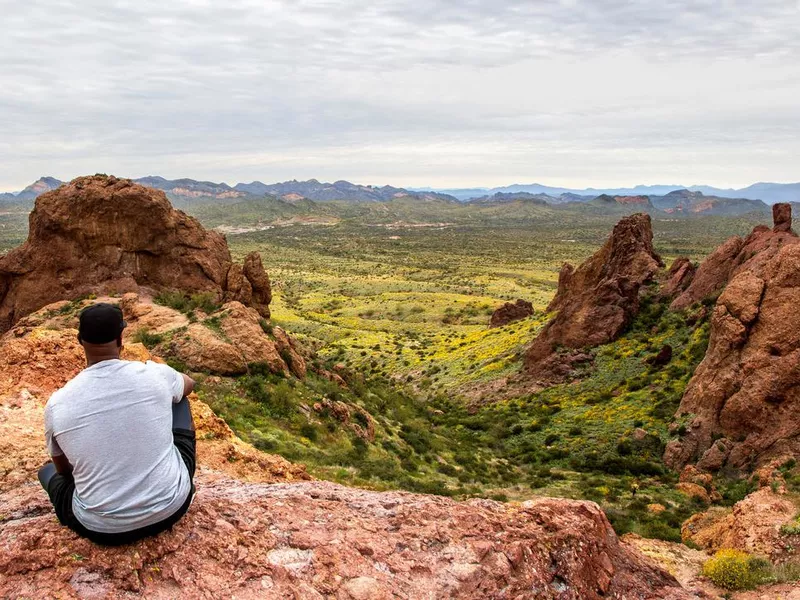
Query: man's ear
x,y
119,342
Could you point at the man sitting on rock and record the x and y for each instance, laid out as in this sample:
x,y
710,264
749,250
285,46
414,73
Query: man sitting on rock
x,y
122,440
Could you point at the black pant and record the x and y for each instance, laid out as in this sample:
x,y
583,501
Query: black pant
x,y
61,488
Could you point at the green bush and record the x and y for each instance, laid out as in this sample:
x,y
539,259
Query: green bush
x,y
188,303
149,340
736,570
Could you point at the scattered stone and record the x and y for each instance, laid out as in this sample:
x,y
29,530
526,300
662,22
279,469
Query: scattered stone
x,y
663,358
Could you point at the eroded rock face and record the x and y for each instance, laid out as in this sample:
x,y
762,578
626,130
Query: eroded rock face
x,y
511,312
247,539
106,235
736,255
596,301
744,399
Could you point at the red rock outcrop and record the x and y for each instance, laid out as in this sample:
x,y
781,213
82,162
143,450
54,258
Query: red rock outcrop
x,y
322,540
243,538
679,277
743,402
753,525
596,301
729,259
511,312
106,235
712,275
782,217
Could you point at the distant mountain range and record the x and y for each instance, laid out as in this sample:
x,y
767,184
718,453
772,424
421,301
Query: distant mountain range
x,y
769,193
188,193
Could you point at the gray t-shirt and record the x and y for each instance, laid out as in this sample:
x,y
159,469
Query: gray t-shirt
x,y
114,423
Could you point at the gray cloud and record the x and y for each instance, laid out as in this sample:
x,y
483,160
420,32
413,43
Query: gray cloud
x,y
452,92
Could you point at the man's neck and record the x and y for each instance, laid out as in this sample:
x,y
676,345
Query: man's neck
x,y
91,361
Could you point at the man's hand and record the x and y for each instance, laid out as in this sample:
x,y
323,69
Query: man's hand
x,y
62,464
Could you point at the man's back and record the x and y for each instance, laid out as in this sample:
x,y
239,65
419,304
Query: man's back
x,y
114,423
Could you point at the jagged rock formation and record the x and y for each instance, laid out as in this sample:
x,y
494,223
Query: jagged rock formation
x,y
510,312
303,539
730,259
743,403
679,277
712,275
106,235
596,301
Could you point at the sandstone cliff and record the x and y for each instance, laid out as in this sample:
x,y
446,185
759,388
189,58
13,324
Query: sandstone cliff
x,y
107,235
596,301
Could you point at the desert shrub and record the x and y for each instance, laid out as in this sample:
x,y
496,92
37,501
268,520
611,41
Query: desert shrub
x,y
734,570
791,528
308,430
661,530
149,340
188,303
266,326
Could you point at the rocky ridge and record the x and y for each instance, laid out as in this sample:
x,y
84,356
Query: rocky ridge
x,y
743,403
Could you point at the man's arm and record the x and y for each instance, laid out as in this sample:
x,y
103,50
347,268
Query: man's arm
x,y
188,385
63,466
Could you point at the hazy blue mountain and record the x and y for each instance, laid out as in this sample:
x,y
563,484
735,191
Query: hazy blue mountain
x,y
770,193
505,198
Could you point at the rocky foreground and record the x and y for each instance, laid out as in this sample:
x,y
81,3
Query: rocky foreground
x,y
258,530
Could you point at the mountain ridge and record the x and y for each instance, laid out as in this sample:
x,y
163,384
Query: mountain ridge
x,y
313,189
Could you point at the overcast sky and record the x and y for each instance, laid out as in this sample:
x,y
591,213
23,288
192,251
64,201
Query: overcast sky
x,y
408,92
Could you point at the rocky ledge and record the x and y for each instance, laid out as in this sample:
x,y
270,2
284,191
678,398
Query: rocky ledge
x,y
322,540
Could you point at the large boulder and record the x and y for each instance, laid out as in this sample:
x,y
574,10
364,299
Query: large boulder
x,y
596,301
753,525
106,235
782,217
743,403
511,312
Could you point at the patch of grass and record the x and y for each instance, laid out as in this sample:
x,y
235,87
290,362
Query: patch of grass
x,y
188,303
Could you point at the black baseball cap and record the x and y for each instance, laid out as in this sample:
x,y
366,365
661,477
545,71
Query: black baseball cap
x,y
101,323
